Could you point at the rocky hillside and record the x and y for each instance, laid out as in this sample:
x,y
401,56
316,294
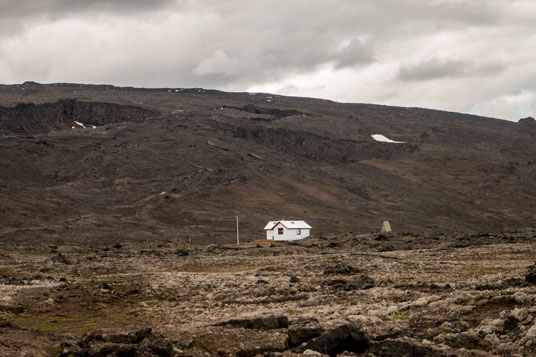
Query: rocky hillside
x,y
102,164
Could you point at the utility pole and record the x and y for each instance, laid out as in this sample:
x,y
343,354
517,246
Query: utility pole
x,y
237,232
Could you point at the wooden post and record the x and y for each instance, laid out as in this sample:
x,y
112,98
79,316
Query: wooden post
x,y
237,232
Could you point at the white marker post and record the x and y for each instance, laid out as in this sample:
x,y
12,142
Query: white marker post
x,y
237,232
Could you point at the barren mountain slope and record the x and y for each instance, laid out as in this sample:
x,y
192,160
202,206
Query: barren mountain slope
x,y
102,163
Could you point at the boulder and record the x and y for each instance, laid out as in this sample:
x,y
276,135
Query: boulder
x,y
361,282
303,330
337,283
257,323
404,347
157,345
510,323
212,248
12,309
342,268
114,342
347,337
294,279
530,277
5,323
222,341
110,349
62,259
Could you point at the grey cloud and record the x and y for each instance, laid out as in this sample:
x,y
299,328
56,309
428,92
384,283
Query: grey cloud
x,y
433,69
18,15
244,42
356,53
490,68
53,8
436,68
476,13
270,41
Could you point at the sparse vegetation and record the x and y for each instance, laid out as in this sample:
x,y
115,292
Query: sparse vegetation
x,y
404,315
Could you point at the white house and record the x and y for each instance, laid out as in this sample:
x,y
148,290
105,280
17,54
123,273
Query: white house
x,y
287,230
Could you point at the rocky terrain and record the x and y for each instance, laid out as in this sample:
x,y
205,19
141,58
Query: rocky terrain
x,y
358,295
118,210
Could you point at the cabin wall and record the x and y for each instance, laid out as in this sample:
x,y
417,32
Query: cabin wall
x,y
288,234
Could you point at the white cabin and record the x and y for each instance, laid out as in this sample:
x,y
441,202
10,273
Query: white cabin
x,y
287,230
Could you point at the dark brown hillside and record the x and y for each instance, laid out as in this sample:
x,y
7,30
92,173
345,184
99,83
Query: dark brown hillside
x,y
181,163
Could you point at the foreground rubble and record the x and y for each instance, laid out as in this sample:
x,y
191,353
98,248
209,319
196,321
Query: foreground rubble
x,y
336,296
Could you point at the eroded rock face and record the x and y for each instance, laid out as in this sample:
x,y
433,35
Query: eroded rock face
x,y
271,112
27,118
119,343
321,148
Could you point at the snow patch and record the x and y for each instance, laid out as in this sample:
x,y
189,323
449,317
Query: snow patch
x,y
384,139
82,125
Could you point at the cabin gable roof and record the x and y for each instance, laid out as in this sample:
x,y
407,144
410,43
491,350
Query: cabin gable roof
x,y
287,224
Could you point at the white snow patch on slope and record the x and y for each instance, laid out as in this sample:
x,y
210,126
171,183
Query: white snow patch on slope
x,y
384,139
79,124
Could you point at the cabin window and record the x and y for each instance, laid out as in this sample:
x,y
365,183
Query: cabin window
x,y
298,231
280,231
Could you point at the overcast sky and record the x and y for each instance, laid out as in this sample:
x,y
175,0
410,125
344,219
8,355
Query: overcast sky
x,y
466,56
